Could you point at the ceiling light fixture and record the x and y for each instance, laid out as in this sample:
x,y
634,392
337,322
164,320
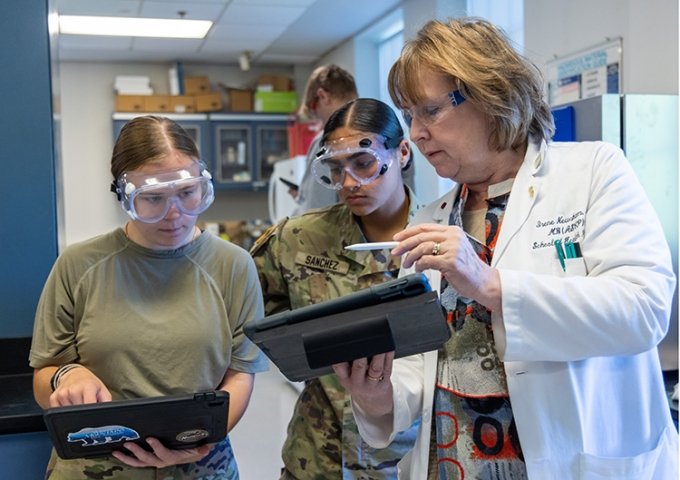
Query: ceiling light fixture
x,y
244,61
133,27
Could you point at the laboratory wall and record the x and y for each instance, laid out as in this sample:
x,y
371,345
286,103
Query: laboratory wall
x,y
649,30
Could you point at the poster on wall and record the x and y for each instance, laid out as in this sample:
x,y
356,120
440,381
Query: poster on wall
x,y
587,73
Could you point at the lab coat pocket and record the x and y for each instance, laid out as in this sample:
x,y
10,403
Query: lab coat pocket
x,y
573,267
645,466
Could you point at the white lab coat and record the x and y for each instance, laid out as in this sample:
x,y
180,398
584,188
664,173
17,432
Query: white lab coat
x,y
579,347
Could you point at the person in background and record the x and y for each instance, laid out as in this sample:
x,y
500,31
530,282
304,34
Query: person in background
x,y
302,260
555,274
154,308
328,88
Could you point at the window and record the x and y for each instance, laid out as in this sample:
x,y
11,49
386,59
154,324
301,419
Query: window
x,y
507,14
388,52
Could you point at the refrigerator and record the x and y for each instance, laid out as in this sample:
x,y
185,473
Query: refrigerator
x,y
281,204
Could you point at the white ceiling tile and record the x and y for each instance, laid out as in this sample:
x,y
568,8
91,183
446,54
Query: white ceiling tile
x,y
89,42
166,44
193,10
260,14
281,32
190,2
286,3
235,30
267,58
236,45
104,8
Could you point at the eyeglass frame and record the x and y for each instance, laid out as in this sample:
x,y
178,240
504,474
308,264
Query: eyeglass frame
x,y
455,98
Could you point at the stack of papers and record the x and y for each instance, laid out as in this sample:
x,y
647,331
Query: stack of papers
x,y
133,85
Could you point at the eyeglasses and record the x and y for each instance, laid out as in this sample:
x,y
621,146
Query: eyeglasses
x,y
364,163
430,114
148,198
311,106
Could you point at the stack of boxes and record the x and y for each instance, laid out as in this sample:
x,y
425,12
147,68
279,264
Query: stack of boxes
x,y
131,92
238,99
197,97
273,94
197,91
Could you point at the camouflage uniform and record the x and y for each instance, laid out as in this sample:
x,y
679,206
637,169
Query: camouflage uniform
x,y
302,261
105,468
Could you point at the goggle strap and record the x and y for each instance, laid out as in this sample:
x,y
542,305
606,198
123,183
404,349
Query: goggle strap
x,y
392,142
114,188
366,143
456,98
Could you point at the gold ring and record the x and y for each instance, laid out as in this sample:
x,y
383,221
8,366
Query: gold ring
x,y
375,379
436,249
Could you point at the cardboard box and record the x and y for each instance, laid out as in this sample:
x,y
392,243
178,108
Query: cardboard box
x,y
183,104
240,100
278,83
129,103
209,102
132,85
196,85
157,103
276,102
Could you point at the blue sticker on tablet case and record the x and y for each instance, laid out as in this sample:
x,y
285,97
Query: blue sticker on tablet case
x,y
102,435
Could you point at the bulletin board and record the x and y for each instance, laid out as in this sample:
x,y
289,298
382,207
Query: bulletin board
x,y
587,73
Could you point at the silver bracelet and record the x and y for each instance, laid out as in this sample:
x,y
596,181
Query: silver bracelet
x,y
54,381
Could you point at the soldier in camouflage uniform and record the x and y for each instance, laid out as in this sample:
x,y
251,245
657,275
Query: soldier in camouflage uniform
x,y
302,261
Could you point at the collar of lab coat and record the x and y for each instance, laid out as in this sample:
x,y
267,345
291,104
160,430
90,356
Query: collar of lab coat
x,y
526,190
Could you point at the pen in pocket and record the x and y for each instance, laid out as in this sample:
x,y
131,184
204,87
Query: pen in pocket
x,y
560,254
573,249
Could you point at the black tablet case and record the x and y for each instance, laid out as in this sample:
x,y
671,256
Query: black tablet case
x,y
178,421
400,315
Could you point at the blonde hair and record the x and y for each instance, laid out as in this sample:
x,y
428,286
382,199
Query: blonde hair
x,y
479,59
337,81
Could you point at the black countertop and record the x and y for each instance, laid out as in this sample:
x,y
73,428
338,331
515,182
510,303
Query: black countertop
x,y
18,411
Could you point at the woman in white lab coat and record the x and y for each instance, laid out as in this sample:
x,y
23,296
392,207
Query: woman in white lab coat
x,y
555,276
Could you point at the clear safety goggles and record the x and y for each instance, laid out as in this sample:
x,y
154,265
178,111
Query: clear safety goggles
x,y
148,198
430,114
363,157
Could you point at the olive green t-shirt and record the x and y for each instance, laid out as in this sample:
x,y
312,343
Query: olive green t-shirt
x,y
150,322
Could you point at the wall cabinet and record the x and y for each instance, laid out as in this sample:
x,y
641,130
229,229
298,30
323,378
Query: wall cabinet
x,y
240,149
245,148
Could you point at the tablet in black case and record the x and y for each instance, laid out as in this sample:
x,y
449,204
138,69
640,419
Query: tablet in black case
x,y
401,315
178,421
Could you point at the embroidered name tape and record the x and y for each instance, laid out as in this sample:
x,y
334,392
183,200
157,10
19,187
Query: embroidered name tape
x,y
321,263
